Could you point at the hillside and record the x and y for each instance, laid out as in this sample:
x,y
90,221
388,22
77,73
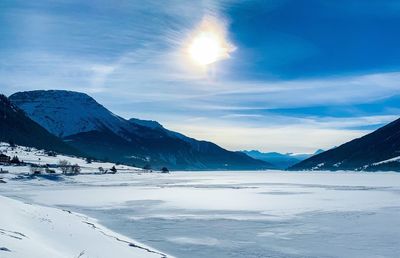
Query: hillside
x,y
379,150
18,128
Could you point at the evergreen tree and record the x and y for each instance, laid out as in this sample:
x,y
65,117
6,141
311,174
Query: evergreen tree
x,y
15,160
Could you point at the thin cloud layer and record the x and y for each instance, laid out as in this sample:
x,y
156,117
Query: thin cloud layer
x,y
128,55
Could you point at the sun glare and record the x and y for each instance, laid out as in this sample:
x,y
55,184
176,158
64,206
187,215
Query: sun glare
x,y
206,48
208,43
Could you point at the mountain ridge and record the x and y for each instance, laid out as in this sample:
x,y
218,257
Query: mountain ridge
x,y
280,160
373,152
87,125
18,128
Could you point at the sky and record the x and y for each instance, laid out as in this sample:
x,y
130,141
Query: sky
x,y
294,75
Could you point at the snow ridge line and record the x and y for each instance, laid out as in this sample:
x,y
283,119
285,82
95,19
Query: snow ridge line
x,y
116,238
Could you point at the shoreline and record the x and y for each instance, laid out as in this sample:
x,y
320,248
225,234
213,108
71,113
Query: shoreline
x,y
32,230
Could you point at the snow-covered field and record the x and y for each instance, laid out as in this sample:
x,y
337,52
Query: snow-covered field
x,y
37,231
39,157
216,214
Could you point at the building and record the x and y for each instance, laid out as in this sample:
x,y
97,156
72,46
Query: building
x,y
4,158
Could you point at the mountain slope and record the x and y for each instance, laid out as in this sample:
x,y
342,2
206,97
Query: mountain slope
x,y
16,127
280,160
90,127
374,151
65,113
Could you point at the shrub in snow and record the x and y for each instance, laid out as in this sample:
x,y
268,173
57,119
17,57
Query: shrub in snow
x,y
164,170
36,170
50,171
51,153
113,170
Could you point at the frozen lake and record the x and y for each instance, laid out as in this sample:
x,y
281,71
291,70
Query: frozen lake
x,y
237,214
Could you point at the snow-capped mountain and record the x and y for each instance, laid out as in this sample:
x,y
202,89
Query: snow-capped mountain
x,y
379,150
65,113
16,127
91,128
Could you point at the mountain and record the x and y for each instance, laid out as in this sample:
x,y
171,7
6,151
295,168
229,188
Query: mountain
x,y
18,128
279,160
91,128
65,113
379,150
303,156
157,126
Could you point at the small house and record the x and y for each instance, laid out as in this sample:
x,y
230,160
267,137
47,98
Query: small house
x,y
4,158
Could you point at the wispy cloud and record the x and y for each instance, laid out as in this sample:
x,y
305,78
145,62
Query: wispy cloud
x,y
299,138
129,55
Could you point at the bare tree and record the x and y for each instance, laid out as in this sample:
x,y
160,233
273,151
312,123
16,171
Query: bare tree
x,y
75,169
64,165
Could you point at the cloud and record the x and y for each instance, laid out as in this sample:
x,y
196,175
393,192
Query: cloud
x,y
278,133
100,73
299,138
130,57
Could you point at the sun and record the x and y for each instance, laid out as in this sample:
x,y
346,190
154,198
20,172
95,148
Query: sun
x,y
206,48
208,43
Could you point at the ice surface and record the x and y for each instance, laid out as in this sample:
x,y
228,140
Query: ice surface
x,y
236,214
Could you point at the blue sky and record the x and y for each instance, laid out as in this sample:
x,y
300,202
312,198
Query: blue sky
x,y
304,75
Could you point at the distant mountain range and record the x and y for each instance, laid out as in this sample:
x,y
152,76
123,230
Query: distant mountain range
x,y
17,128
377,151
280,160
84,124
74,123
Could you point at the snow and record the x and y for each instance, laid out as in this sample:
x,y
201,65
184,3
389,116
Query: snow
x,y
39,157
318,166
197,214
234,214
387,161
65,113
31,230
36,231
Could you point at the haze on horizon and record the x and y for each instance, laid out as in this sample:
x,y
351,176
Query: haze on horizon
x,y
287,76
